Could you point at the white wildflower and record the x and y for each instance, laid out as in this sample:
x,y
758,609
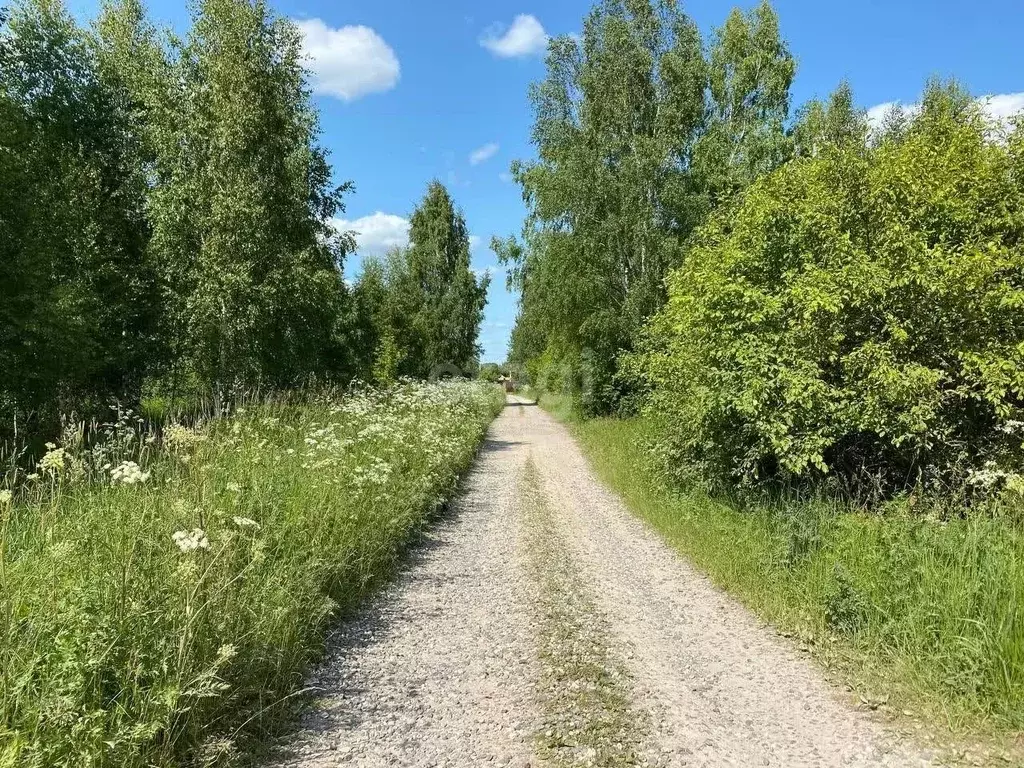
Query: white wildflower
x,y
988,476
53,461
190,541
245,522
180,438
234,487
128,473
5,497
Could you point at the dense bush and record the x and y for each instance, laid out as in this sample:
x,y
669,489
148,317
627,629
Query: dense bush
x,y
858,312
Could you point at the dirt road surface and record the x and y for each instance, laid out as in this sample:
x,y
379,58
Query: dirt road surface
x,y
462,661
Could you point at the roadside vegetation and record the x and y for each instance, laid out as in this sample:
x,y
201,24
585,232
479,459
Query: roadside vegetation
x,y
163,594
918,613
800,332
184,504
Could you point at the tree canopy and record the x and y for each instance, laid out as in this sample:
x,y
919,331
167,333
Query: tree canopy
x,y
166,222
639,132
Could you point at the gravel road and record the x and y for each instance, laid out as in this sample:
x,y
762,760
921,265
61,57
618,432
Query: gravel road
x,y
443,668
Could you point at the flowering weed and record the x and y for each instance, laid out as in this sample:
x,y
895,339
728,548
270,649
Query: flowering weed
x,y
160,605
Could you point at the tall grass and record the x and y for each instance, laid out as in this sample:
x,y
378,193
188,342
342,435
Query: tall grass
x,y
921,614
164,615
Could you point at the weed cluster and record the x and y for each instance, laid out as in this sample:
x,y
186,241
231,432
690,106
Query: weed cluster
x,y
162,597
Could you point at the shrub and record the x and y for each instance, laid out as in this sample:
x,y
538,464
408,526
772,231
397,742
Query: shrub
x,y
859,311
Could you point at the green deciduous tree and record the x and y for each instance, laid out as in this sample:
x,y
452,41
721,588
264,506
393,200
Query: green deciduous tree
x,y
422,306
750,71
241,199
78,299
639,134
837,123
437,289
490,372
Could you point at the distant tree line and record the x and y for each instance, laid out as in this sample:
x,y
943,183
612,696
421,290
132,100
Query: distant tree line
x,y
493,372
786,296
166,222
420,307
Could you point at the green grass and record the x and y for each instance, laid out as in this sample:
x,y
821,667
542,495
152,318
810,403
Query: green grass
x,y
585,691
920,616
124,645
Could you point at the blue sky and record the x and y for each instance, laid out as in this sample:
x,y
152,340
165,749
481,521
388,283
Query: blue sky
x,y
410,90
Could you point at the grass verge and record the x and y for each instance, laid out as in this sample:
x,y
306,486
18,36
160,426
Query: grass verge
x,y
159,606
920,617
585,690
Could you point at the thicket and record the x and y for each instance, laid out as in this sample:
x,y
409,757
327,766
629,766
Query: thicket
x,y
166,221
857,313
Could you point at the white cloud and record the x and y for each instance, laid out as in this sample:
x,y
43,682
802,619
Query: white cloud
x,y
526,37
999,108
377,233
505,176
486,152
1002,106
348,62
